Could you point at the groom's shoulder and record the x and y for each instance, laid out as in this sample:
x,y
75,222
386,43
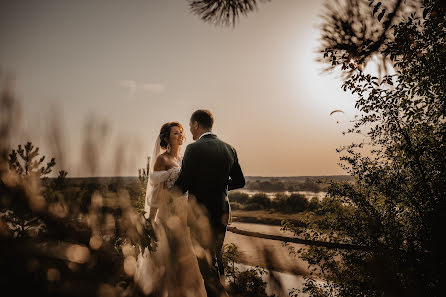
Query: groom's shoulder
x,y
215,139
227,145
191,146
204,142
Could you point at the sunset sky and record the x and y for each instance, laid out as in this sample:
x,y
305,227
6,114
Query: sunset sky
x,y
138,64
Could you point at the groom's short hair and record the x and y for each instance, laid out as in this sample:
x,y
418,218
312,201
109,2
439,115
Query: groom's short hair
x,y
203,117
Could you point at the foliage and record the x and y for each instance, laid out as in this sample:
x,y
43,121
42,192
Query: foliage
x,y
297,203
59,182
143,176
267,186
355,31
282,203
275,185
230,256
224,13
76,247
83,252
249,283
396,206
290,204
329,207
19,218
242,283
261,199
53,191
26,165
253,206
236,196
236,205
311,185
21,226
314,204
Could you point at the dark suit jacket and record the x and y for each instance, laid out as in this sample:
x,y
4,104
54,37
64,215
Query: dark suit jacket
x,y
210,168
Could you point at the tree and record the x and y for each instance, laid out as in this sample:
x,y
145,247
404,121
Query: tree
x,y
222,13
230,256
20,218
355,32
249,283
396,207
27,165
59,182
243,283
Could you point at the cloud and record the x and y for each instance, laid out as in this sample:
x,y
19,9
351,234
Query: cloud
x,y
134,87
154,88
129,84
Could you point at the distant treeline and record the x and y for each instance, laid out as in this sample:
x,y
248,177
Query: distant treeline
x,y
282,203
255,183
300,179
99,180
252,181
292,184
77,192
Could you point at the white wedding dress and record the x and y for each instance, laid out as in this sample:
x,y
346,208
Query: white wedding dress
x,y
172,270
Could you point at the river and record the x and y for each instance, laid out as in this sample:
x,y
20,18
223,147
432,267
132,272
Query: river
x,y
307,194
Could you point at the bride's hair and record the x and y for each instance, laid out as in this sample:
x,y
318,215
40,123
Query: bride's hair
x,y
165,133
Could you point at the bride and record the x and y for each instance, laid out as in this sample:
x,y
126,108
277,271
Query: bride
x,y
172,270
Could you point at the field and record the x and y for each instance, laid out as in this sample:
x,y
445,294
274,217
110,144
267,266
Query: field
x,y
82,208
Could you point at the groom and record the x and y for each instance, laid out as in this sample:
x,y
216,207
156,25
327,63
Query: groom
x,y
210,168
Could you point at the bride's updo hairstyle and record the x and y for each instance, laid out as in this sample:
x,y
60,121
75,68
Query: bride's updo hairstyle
x,y
165,133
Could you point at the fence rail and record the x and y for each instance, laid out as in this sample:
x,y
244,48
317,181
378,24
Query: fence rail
x,y
330,245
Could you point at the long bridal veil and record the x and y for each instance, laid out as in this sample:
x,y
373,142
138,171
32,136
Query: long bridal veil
x,y
172,269
155,154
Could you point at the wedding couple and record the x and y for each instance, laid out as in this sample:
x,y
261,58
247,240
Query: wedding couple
x,y
186,200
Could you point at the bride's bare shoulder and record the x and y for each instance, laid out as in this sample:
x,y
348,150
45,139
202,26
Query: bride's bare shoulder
x,y
160,163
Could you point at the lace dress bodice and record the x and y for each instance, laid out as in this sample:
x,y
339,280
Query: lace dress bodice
x,y
160,197
158,180
172,177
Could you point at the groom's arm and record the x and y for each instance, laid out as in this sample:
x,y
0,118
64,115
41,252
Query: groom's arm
x,y
237,180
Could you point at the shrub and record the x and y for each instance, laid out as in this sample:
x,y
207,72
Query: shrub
x,y
261,199
279,202
238,197
330,205
254,206
249,283
230,256
314,204
291,203
236,205
296,203
267,186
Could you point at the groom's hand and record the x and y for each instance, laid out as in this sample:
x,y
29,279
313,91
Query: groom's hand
x,y
236,177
